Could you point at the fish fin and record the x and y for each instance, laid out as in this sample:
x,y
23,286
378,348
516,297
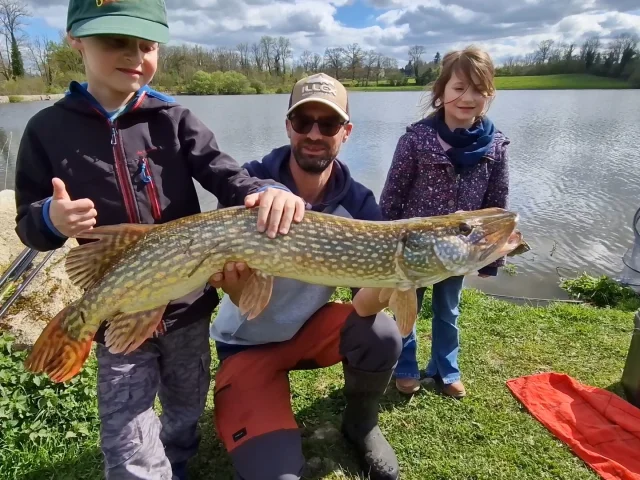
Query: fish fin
x,y
86,263
256,294
127,331
404,304
56,353
385,294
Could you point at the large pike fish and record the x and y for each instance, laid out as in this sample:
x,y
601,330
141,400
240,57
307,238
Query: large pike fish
x,y
133,271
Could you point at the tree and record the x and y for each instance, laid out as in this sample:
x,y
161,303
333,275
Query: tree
x,y
12,15
437,58
415,53
41,50
243,50
590,50
333,60
353,56
268,45
629,49
282,53
544,49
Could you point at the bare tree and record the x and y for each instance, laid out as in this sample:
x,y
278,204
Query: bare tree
x,y
372,60
568,52
544,49
282,53
333,60
243,50
258,56
415,53
41,50
12,15
268,45
316,63
353,56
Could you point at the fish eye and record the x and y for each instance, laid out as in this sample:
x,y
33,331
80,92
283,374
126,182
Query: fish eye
x,y
465,228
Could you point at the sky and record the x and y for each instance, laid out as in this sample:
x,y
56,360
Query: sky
x,y
504,27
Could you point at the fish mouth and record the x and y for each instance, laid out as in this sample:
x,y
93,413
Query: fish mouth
x,y
495,230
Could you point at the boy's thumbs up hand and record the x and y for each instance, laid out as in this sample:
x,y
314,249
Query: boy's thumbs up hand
x,y
70,217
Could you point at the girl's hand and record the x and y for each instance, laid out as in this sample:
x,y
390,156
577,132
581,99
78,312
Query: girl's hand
x,y
366,302
279,206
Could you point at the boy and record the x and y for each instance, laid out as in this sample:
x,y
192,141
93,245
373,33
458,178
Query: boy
x,y
115,151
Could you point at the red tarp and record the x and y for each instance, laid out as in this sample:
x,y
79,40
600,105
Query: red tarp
x,y
600,427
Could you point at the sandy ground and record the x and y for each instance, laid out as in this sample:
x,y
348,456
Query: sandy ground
x,y
46,295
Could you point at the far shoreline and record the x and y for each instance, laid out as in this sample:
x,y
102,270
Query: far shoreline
x,y
538,82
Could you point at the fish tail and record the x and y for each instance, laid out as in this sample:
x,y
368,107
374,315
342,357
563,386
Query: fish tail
x,y
56,353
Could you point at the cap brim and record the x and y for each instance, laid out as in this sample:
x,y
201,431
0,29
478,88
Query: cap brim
x,y
341,112
121,25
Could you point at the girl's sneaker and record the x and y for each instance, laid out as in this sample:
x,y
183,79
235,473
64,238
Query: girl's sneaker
x,y
408,386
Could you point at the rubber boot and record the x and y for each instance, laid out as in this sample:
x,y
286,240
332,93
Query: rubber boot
x,y
363,391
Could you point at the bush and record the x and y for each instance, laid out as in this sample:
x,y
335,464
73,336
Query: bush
x,y
259,86
602,292
217,83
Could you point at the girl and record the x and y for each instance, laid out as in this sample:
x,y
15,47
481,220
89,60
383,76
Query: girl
x,y
453,159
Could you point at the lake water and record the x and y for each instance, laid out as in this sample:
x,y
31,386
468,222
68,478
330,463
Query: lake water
x,y
574,165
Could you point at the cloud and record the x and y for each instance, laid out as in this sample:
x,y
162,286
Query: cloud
x,y
504,27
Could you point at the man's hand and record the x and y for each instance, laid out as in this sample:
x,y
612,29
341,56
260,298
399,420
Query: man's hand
x,y
279,207
70,217
232,280
366,302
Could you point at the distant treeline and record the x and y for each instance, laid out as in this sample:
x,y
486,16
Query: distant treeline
x,y
35,65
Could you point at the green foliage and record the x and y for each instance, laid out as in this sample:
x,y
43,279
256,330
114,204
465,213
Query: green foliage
x,y
219,83
602,292
34,410
16,59
259,86
429,75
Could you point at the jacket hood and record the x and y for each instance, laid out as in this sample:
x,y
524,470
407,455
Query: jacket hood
x,y
78,98
276,167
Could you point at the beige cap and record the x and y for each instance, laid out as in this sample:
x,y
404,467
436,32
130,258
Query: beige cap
x,y
323,89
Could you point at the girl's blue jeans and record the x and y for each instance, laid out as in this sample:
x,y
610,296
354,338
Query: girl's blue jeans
x,y
445,339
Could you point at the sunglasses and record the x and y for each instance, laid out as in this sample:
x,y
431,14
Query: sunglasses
x,y
328,127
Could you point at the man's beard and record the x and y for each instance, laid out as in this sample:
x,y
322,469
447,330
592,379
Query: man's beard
x,y
315,164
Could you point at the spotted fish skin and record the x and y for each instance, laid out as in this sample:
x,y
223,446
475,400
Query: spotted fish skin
x,y
133,272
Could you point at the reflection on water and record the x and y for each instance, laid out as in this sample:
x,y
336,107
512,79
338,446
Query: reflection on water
x,y
574,169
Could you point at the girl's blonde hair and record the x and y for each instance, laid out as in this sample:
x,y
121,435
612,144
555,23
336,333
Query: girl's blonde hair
x,y
470,63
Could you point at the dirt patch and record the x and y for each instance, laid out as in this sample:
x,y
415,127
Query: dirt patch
x,y
49,292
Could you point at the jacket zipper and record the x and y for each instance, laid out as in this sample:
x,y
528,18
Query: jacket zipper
x,y
152,191
123,180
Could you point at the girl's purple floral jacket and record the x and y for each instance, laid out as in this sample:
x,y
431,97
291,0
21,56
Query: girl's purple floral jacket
x,y
422,181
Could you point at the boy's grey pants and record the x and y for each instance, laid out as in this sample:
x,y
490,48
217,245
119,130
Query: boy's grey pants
x,y
136,444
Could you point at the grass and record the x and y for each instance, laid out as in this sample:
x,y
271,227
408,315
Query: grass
x,y
487,435
538,82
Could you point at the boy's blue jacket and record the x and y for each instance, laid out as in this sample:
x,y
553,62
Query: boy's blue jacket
x,y
136,167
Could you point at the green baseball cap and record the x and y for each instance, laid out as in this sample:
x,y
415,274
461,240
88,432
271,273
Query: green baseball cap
x,y
136,18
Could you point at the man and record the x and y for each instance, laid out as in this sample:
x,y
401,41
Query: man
x,y
299,329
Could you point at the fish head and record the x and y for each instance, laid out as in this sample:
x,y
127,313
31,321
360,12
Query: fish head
x,y
462,243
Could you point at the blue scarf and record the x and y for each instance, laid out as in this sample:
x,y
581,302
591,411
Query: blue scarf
x,y
468,145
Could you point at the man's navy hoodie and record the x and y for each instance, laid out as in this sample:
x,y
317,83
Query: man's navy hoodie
x,y
292,302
